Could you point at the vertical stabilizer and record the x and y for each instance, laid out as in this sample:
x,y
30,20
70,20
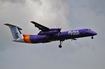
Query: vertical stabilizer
x,y
15,30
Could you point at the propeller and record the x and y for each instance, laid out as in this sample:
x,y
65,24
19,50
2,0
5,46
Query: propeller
x,y
59,29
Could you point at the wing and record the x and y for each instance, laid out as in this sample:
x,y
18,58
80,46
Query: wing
x,y
40,27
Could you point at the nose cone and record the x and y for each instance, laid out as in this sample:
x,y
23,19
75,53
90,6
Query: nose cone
x,y
93,33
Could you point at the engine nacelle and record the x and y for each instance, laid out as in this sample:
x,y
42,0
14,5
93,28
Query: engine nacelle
x,y
51,32
47,32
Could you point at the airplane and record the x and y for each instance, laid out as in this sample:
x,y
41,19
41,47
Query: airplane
x,y
48,34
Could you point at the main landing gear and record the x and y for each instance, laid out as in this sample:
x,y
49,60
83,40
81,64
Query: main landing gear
x,y
60,46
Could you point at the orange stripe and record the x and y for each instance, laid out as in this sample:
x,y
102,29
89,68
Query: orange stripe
x,y
27,38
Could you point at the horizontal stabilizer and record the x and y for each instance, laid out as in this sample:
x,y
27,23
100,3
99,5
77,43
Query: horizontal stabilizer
x,y
12,26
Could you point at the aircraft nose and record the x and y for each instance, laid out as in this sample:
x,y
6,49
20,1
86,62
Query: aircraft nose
x,y
93,33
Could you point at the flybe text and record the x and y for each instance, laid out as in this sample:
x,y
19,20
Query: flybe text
x,y
73,32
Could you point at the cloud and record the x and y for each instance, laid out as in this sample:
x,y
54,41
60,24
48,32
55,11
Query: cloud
x,y
13,1
83,53
48,13
98,7
90,14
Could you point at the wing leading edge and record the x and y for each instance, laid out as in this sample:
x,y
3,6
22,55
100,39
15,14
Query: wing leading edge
x,y
40,27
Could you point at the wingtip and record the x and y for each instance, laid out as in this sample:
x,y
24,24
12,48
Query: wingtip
x,y
32,21
6,24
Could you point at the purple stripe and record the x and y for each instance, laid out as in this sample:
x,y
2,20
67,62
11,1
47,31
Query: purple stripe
x,y
33,38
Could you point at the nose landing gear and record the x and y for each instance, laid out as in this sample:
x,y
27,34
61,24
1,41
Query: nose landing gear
x,y
92,37
60,46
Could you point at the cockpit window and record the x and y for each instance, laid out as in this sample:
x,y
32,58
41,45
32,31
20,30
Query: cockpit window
x,y
87,29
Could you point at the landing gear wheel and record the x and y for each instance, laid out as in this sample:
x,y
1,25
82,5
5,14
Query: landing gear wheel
x,y
92,37
60,46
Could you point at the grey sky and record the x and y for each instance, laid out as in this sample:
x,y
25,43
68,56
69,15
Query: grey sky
x,y
13,1
68,14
